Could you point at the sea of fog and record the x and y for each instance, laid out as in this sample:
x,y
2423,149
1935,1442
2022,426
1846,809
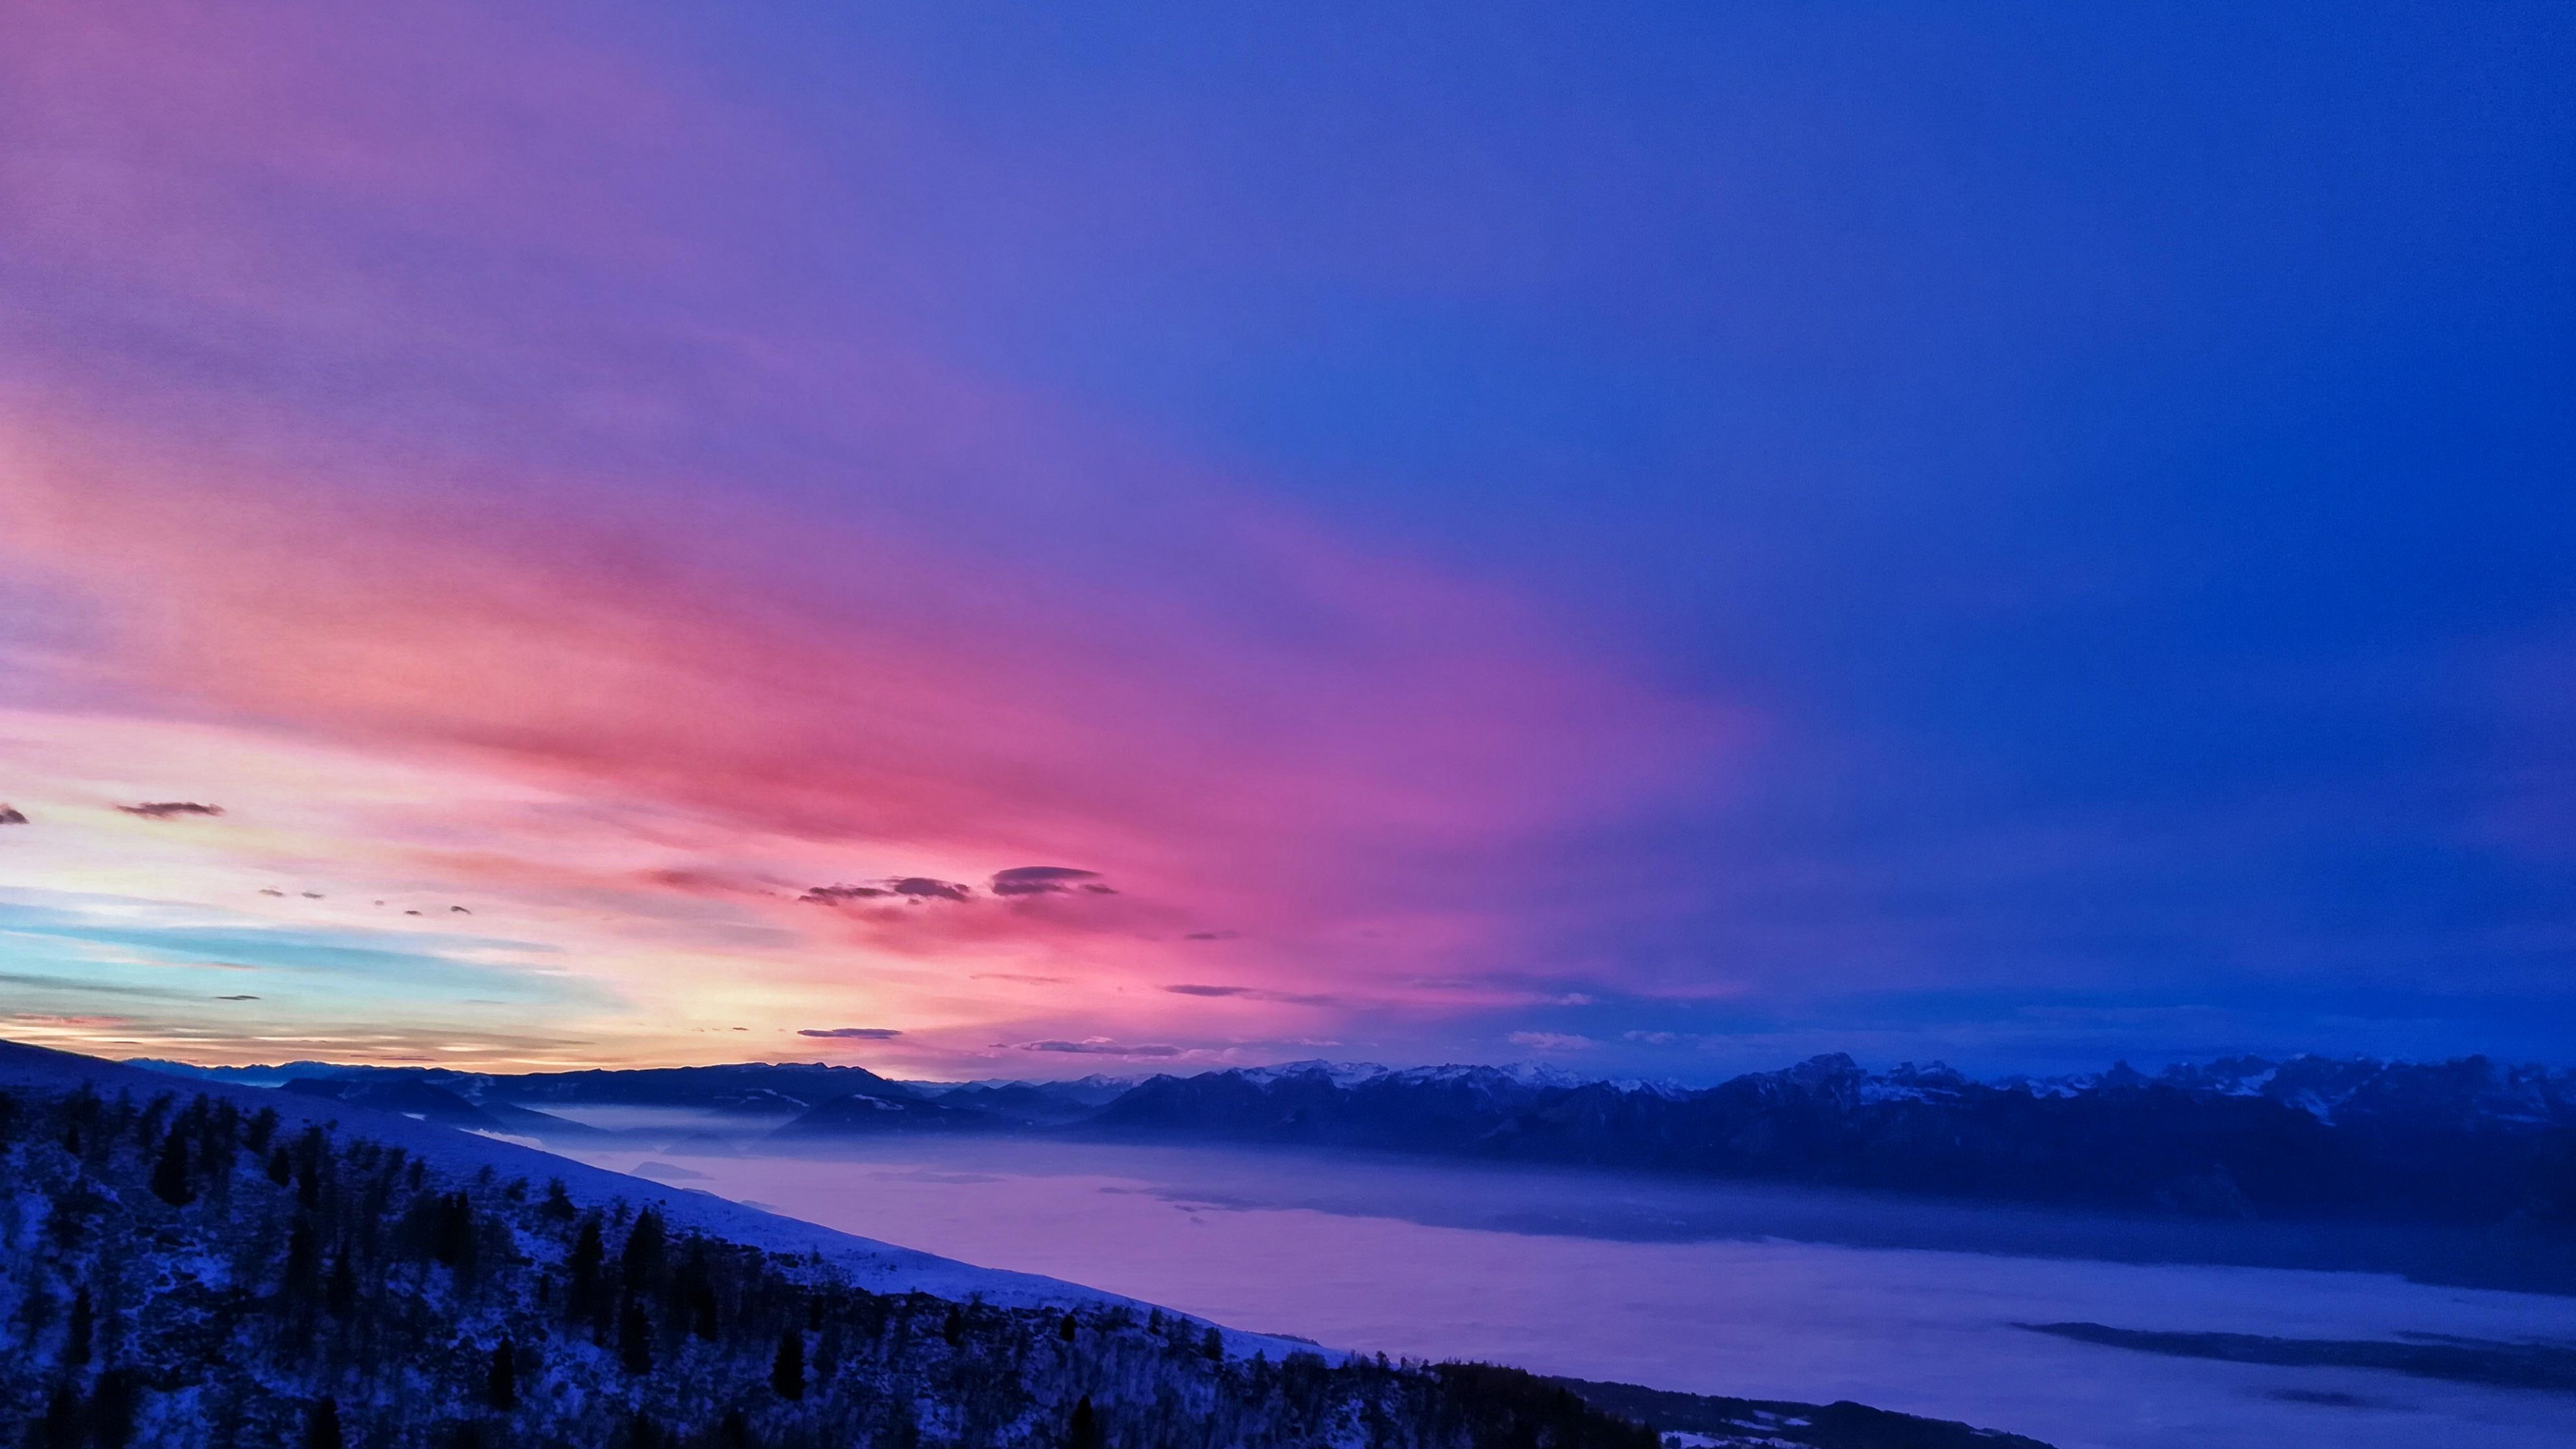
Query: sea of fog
x,y
1710,1288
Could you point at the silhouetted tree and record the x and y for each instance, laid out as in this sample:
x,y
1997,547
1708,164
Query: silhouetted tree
x,y
322,1424
78,1333
451,1236
641,1260
501,1384
341,1296
170,1175
1065,1330
281,1168
61,1426
693,1291
1214,1346
1084,1432
112,1404
787,1371
635,1340
303,1261
582,1297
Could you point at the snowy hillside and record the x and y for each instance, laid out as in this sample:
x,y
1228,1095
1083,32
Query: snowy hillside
x,y
877,1267
238,1266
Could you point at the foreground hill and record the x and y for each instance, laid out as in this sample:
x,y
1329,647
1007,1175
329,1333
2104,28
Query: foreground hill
x,y
212,1264
200,1270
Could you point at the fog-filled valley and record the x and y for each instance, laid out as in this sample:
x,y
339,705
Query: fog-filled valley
x,y
1710,1288
2241,1253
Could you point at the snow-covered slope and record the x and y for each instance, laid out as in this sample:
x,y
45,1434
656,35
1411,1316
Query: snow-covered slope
x,y
869,1264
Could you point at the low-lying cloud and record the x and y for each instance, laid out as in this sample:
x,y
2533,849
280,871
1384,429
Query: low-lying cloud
x,y
853,1033
170,809
1100,1046
1551,1041
1049,880
1254,993
913,889
833,895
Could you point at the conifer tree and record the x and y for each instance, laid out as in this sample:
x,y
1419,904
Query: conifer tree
x,y
582,1297
112,1404
1084,1432
693,1292
641,1261
635,1340
303,1260
322,1425
501,1384
787,1371
451,1239
281,1168
61,1426
341,1296
170,1174
83,1325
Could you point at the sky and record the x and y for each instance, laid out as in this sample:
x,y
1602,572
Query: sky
x,y
991,541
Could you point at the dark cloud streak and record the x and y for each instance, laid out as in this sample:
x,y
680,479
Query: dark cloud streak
x,y
1046,880
1100,1047
1254,993
171,809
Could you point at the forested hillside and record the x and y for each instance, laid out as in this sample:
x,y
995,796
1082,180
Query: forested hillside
x,y
183,1270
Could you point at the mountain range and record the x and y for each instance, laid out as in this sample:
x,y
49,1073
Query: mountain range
x,y
209,1264
2468,1141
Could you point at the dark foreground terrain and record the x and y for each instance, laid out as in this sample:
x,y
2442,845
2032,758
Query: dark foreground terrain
x,y
180,1272
190,1268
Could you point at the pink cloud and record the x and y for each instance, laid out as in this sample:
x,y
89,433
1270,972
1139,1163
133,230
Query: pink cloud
x,y
491,454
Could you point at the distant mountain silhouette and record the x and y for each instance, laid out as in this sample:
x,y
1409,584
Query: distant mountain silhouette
x,y
2459,1141
2462,1142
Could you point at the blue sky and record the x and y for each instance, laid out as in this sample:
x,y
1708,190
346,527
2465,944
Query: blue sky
x,y
2019,533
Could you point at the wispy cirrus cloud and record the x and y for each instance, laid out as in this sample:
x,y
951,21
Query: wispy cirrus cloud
x,y
1551,1041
